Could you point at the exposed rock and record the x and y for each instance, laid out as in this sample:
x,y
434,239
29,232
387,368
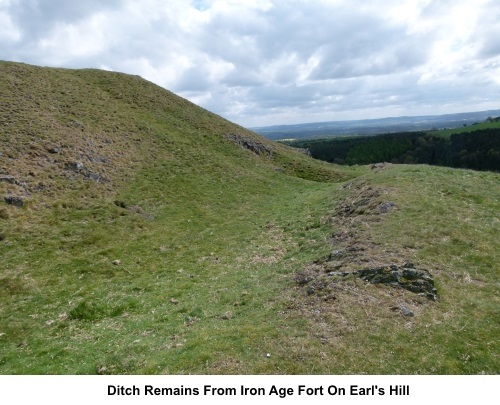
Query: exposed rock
x,y
406,312
8,179
92,175
335,254
304,279
54,150
356,256
415,280
75,166
339,273
407,277
251,144
116,262
385,207
14,200
12,180
379,166
363,201
80,168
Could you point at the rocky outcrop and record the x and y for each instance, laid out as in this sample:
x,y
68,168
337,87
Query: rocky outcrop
x,y
407,276
14,200
251,144
356,256
386,206
418,281
80,168
11,180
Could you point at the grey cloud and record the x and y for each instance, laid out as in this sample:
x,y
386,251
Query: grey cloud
x,y
274,96
487,34
36,17
243,77
194,79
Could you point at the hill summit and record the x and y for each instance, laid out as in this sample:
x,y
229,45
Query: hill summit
x,y
142,234
60,124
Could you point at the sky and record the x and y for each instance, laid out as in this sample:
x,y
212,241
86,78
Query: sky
x,y
270,62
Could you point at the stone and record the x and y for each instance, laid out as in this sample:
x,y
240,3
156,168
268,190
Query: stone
x,y
406,312
338,273
379,165
251,144
408,277
54,150
8,179
80,168
14,200
92,175
335,254
75,166
11,180
116,262
304,280
385,207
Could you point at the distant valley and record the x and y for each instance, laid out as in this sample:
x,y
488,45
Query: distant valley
x,y
373,126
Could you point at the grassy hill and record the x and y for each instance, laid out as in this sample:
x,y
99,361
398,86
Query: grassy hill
x,y
489,124
140,233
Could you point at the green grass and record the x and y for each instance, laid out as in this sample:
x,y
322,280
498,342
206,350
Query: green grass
x,y
210,238
446,133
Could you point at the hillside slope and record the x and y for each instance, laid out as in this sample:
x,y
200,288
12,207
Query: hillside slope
x,y
140,233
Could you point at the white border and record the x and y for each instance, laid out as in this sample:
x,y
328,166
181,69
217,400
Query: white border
x,y
55,390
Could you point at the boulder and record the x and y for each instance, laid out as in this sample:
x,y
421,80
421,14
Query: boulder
x,y
14,200
407,276
8,179
385,207
251,144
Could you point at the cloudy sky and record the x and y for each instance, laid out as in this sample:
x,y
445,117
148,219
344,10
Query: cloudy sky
x,y
266,62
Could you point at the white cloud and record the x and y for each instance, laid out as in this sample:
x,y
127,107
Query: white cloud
x,y
72,41
271,61
9,33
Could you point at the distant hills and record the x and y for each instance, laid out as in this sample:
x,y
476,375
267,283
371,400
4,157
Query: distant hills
x,y
374,126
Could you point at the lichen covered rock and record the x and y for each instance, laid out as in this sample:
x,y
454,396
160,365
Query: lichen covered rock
x,y
407,276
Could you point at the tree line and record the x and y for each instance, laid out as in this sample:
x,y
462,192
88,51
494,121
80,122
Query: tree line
x,y
479,150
